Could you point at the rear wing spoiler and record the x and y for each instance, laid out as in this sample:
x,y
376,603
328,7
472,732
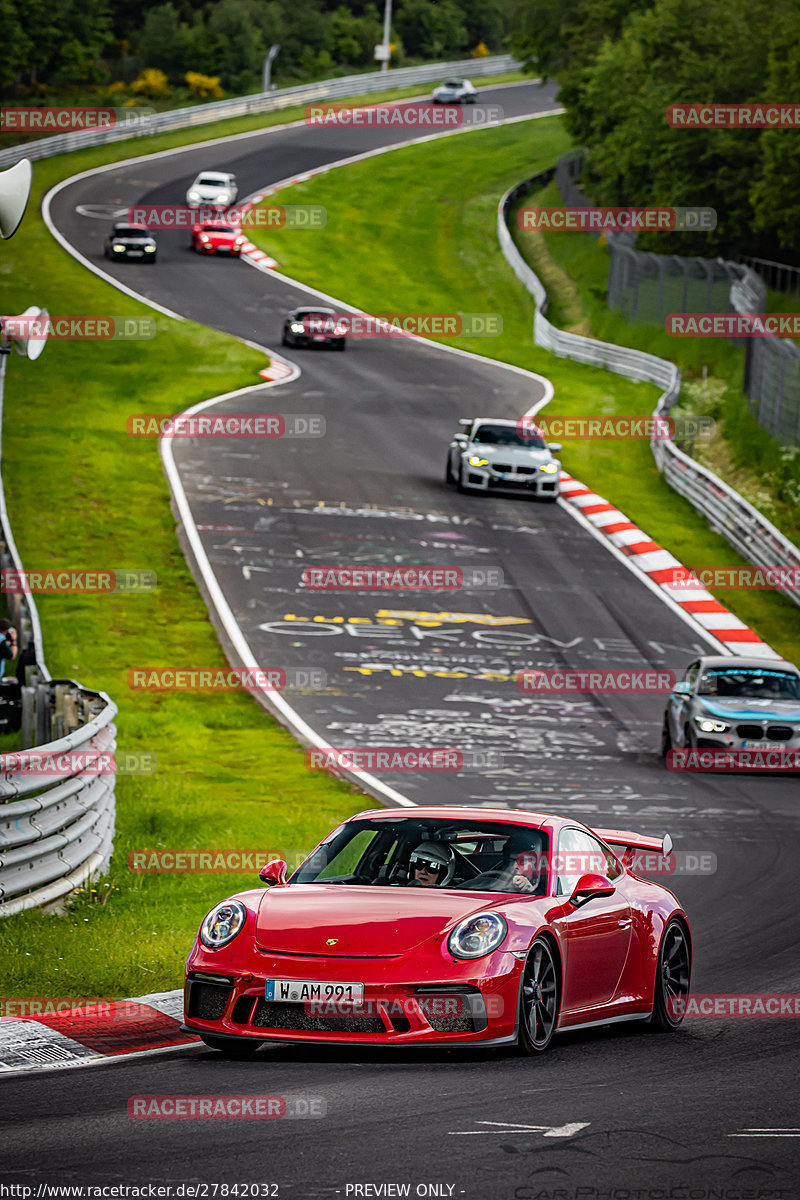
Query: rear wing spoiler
x,y
629,843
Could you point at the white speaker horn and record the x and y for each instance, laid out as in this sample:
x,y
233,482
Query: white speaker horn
x,y
15,188
29,339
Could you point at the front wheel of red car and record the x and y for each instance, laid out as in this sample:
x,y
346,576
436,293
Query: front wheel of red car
x,y
232,1047
540,998
673,975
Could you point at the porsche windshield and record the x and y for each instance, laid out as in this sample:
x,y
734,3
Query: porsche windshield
x,y
474,857
750,684
507,435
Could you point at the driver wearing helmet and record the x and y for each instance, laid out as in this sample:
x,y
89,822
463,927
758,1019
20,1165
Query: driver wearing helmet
x,y
432,864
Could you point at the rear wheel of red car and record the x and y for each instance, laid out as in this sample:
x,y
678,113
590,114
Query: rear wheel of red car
x,y
232,1047
673,975
540,998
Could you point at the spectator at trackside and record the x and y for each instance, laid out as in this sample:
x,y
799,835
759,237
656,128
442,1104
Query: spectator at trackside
x,y
8,644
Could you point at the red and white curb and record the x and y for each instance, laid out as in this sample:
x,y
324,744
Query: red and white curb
x,y
664,570
278,369
100,1030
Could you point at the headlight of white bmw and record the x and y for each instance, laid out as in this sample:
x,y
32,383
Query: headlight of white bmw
x,y
709,725
297,327
118,247
475,460
222,924
149,249
476,936
549,468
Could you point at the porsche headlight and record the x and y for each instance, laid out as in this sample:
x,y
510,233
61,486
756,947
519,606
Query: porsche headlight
x,y
222,198
475,461
709,725
194,195
222,924
204,237
477,936
549,468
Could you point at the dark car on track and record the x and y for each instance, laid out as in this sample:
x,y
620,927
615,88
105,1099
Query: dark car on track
x,y
131,241
314,326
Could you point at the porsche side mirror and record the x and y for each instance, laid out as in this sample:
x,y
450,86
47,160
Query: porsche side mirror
x,y
273,872
591,887
554,446
682,689
461,438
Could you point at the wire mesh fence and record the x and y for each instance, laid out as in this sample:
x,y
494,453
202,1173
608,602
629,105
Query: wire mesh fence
x,y
644,286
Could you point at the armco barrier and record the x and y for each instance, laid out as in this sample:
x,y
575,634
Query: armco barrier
x,y
747,530
261,102
56,831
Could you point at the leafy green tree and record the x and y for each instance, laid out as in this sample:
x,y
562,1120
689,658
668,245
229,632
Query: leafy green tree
x,y
431,30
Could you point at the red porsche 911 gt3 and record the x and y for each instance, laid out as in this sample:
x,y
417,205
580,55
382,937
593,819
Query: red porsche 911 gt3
x,y
443,925
217,237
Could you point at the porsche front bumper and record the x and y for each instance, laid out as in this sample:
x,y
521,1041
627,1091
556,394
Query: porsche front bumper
x,y
483,1009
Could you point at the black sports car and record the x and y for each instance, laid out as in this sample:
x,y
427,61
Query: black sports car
x,y
131,241
314,326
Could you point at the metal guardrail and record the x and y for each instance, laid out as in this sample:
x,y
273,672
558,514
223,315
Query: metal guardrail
x,y
728,513
259,102
57,829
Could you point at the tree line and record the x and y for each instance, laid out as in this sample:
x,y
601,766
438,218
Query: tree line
x,y
75,44
622,63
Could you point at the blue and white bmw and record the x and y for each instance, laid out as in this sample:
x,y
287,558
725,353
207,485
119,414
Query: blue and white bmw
x,y
733,702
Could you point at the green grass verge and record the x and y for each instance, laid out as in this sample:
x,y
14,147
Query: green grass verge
x,y
81,492
438,252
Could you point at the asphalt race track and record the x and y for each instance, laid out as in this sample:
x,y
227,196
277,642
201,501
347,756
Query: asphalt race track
x,y
617,1111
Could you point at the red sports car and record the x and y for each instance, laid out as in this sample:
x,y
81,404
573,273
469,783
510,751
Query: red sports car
x,y
215,237
443,925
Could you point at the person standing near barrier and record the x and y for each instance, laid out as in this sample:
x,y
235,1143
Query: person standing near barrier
x,y
8,644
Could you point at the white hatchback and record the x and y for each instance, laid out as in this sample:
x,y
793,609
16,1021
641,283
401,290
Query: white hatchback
x,y
455,91
212,187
